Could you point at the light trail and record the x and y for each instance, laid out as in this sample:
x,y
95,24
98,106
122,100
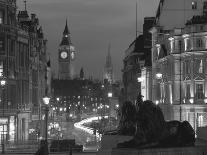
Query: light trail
x,y
80,125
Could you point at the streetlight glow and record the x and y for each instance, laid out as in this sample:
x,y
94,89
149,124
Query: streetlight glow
x,y
3,82
110,94
46,100
140,79
159,75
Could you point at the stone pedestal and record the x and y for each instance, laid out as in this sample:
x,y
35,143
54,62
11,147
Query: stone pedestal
x,y
197,150
110,141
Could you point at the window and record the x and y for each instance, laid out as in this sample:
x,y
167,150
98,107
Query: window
x,y
1,17
1,45
188,67
199,43
188,91
200,120
194,5
201,67
199,91
180,46
187,44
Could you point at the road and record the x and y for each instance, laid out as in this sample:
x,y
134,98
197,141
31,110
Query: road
x,y
87,140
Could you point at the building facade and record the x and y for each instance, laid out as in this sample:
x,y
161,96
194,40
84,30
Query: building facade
x,y
23,57
133,62
179,66
137,65
66,56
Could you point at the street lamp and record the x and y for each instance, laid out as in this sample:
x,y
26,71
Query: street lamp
x,y
46,101
3,83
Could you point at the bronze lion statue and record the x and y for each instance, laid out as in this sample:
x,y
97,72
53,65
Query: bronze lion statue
x,y
151,129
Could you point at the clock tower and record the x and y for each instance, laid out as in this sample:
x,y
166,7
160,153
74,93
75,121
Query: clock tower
x,y
66,56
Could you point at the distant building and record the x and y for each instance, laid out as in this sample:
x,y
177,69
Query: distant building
x,y
79,97
179,61
66,56
108,68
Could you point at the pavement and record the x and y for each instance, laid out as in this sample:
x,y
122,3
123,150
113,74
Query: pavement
x,y
66,153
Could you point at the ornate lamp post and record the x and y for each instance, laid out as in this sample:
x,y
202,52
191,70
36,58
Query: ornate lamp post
x,y
3,83
46,101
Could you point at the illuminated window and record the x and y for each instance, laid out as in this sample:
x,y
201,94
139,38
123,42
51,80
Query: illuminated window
x,y
187,44
200,120
1,17
199,91
201,67
1,68
194,5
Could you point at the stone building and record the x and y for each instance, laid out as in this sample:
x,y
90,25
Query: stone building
x,y
133,62
23,66
137,65
179,62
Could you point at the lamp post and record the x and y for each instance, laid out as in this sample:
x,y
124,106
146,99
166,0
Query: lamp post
x,y
46,101
3,83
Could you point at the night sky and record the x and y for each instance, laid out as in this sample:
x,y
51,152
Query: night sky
x,y
93,25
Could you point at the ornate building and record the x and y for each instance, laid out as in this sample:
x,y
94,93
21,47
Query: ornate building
x,y
66,56
179,65
133,62
137,65
23,66
108,69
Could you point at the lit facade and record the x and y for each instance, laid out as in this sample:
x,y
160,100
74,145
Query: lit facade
x,y
179,68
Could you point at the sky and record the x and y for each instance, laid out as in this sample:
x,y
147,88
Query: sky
x,y
94,24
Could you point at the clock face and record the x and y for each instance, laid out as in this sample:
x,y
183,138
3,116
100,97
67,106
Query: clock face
x,y
64,55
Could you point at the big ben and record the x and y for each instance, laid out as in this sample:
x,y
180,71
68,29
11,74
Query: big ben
x,y
66,56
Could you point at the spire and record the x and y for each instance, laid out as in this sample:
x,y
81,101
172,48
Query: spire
x,y
108,70
66,31
81,74
66,38
25,5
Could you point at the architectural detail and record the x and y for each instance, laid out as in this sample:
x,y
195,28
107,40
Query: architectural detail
x,y
66,56
23,66
137,65
179,62
108,69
